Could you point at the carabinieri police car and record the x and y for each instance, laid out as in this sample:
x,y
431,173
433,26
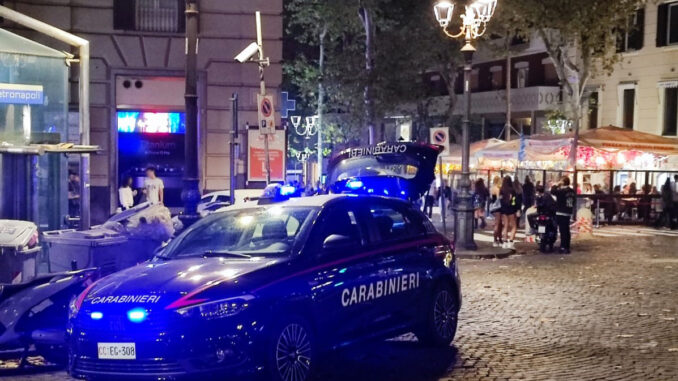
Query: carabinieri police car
x,y
268,288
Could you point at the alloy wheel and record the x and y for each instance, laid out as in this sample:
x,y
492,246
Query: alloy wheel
x,y
445,315
293,353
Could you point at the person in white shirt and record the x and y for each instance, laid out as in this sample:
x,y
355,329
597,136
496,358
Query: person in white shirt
x,y
126,194
153,187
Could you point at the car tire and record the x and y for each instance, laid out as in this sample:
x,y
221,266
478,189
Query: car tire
x,y
440,324
291,350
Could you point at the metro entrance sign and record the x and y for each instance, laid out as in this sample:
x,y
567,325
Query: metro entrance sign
x,y
266,114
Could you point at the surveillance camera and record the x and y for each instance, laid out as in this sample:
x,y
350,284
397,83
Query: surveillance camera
x,y
248,53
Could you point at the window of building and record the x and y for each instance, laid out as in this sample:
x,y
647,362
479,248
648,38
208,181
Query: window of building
x,y
497,77
149,15
670,112
631,39
628,108
667,24
593,110
521,77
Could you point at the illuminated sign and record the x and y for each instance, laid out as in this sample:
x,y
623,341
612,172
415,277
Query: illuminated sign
x,y
151,122
21,94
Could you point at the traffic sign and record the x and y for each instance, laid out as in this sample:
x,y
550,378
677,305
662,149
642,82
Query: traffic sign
x,y
266,114
441,136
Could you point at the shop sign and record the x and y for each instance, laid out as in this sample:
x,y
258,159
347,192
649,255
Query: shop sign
x,y
21,94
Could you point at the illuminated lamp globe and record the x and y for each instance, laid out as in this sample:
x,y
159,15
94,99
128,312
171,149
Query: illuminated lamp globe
x,y
443,11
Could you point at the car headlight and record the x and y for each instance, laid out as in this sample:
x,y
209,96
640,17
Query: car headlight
x,y
218,309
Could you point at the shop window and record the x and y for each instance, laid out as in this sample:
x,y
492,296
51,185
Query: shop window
x,y
670,112
149,15
667,24
631,39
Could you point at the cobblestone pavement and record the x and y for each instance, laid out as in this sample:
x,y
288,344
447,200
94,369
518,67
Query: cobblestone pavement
x,y
606,312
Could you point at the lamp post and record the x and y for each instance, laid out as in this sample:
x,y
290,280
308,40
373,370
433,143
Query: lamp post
x,y
473,25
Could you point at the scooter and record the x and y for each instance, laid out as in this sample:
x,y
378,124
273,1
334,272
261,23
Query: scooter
x,y
547,232
34,315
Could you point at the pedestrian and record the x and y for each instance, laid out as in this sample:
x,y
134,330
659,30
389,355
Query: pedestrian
x,y
674,203
518,188
480,196
429,200
667,206
73,194
126,194
565,202
508,211
495,209
528,193
154,188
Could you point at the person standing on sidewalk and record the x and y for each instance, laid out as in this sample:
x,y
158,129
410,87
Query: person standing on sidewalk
x,y
154,188
674,206
495,209
565,202
480,196
508,212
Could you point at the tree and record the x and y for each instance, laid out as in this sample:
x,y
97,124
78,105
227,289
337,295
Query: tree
x,y
580,38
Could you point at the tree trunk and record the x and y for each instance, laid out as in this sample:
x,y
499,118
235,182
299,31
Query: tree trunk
x,y
366,19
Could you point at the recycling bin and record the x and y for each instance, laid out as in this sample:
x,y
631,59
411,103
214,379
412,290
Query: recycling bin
x,y
99,247
18,251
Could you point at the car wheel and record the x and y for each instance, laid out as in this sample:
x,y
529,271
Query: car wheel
x,y
291,350
440,325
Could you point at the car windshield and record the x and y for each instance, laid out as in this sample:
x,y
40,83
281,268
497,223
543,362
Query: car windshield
x,y
259,231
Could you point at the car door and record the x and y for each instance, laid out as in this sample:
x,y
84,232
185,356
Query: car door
x,y
403,264
340,273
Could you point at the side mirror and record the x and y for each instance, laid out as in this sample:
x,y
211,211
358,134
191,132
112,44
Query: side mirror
x,y
336,241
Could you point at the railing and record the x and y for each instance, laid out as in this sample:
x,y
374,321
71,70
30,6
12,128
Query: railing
x,y
622,208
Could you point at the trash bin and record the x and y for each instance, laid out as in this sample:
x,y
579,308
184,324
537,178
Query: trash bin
x,y
18,251
84,249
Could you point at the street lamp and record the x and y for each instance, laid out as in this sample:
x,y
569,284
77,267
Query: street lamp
x,y
307,129
473,25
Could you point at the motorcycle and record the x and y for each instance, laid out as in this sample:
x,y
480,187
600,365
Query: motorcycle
x,y
34,315
547,231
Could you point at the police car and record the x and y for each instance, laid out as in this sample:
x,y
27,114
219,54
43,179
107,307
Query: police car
x,y
269,288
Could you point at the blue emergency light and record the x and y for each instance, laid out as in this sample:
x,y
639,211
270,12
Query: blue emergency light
x,y
96,315
136,315
354,184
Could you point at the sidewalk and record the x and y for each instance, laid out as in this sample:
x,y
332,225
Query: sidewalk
x,y
485,249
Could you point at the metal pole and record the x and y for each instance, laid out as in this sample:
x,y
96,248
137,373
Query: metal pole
x,y
321,100
234,137
83,92
508,126
464,209
442,195
190,195
262,89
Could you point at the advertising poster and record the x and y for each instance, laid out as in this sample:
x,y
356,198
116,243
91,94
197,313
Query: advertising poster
x,y
256,157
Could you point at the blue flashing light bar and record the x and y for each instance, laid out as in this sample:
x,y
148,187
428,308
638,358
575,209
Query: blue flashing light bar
x,y
354,184
287,190
96,315
137,315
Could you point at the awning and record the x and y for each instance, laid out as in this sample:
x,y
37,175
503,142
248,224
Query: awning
x,y
615,138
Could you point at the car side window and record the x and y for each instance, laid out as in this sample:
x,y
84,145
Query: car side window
x,y
223,199
339,222
394,223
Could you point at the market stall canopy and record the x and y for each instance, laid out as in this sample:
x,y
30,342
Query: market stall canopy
x,y
455,151
615,138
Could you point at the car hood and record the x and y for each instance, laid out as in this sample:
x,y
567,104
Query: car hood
x,y
160,284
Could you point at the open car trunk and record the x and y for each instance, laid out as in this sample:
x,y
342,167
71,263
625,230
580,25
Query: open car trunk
x,y
404,170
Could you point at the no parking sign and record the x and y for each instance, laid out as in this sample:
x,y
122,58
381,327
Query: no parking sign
x,y
266,114
441,136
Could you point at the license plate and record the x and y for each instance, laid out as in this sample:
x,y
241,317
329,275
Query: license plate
x,y
117,351
542,229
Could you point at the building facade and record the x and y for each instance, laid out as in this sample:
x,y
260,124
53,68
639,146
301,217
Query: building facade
x,y
137,84
642,92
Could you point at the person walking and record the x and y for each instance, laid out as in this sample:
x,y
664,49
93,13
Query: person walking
x,y
154,188
126,194
674,203
565,202
664,219
518,188
480,196
495,209
529,192
429,200
507,196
